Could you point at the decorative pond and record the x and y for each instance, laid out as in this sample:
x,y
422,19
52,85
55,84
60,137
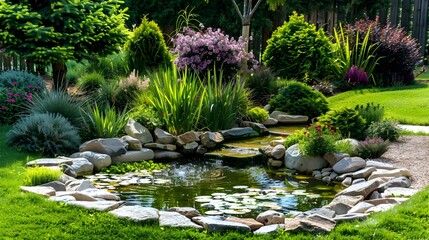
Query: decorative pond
x,y
215,189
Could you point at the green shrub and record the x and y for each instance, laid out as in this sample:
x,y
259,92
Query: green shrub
x,y
318,139
58,102
372,148
298,50
257,114
46,133
21,79
145,114
298,98
344,147
297,137
262,84
223,104
74,71
146,49
39,175
126,91
371,113
178,99
111,66
348,122
90,82
387,130
103,123
123,168
106,94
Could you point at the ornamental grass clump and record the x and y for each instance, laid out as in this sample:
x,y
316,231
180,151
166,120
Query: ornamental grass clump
x,y
210,49
40,175
356,77
372,147
371,112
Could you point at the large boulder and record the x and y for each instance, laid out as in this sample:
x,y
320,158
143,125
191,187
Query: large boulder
x,y
349,164
278,152
234,133
134,156
363,188
97,205
137,213
138,131
270,217
133,143
109,146
333,158
99,160
82,167
168,147
211,139
41,190
342,204
164,137
295,160
188,137
400,172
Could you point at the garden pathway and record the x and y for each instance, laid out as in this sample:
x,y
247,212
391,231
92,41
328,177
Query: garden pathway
x,y
415,128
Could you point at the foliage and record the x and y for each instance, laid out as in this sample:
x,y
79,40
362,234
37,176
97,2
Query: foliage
x,y
111,66
348,122
398,52
354,55
262,82
257,114
74,71
223,104
54,32
325,87
17,89
385,129
90,82
297,137
47,133
344,146
319,139
146,49
372,148
123,168
209,50
146,116
57,102
103,123
178,99
297,49
371,112
298,98
126,90
39,175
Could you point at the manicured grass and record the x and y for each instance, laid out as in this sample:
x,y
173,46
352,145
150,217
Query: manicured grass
x,y
423,76
406,104
28,216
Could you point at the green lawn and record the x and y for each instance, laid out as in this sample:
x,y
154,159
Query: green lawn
x,y
28,216
406,104
423,76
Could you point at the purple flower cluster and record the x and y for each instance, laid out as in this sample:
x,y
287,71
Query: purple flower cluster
x,y
210,49
356,77
12,100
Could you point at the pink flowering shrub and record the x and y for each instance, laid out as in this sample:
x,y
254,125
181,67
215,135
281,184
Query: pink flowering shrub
x,y
210,49
16,89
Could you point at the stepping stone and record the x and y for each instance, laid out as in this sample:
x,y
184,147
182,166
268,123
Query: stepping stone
x,y
97,205
401,172
349,164
175,219
134,156
270,229
216,225
46,162
44,191
137,213
399,192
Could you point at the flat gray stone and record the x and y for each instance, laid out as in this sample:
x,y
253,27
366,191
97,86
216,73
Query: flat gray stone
x,y
134,156
349,164
363,173
46,162
138,131
98,160
44,191
109,146
188,137
395,182
235,133
99,193
361,207
270,122
358,180
324,211
160,154
97,205
64,199
292,119
399,192
379,201
349,217
270,217
270,229
133,143
317,224
79,185
347,181
188,212
82,167
214,225
379,165
164,137
190,148
364,189
400,172
168,147
380,208
333,158
56,185
137,213
342,204
78,196
295,160
175,219
258,127
252,223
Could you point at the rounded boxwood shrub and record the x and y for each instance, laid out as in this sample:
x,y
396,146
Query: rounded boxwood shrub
x,y
387,130
146,49
298,50
257,114
298,98
46,133
347,121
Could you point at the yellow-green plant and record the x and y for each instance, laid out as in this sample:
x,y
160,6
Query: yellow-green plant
x,y
178,99
40,175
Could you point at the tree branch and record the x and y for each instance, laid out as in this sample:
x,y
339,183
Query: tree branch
x,y
256,7
237,9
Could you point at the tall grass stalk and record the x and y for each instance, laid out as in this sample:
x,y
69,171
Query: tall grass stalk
x,y
104,123
224,103
361,54
40,175
177,98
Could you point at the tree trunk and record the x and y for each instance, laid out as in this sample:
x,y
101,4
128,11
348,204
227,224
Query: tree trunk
x,y
245,34
59,71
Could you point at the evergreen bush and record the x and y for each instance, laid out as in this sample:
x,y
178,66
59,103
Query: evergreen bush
x,y
348,122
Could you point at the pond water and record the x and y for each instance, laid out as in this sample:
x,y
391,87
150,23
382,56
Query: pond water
x,y
216,189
